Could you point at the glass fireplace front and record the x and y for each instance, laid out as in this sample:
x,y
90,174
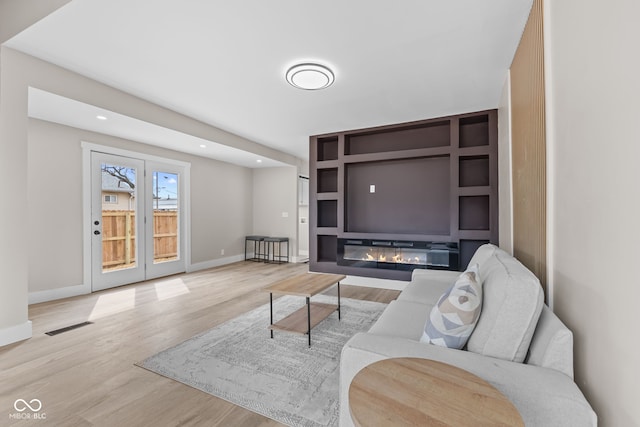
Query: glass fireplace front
x,y
400,255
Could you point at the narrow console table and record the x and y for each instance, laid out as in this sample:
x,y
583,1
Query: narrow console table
x,y
421,392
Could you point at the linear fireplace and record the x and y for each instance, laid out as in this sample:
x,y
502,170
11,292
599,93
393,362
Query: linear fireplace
x,y
397,255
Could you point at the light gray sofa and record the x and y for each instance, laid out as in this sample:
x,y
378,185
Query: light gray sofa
x,y
518,345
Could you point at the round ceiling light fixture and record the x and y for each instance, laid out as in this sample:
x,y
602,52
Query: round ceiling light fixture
x,y
310,76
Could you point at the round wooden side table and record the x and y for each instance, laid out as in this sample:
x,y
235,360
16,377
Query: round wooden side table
x,y
423,392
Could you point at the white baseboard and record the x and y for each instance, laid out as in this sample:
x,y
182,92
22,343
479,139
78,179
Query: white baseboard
x,y
372,282
72,291
54,294
215,263
16,333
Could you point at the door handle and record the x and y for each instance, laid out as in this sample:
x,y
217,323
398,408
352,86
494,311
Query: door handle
x,y
96,232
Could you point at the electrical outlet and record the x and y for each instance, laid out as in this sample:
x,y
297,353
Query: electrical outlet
x,y
372,188
222,252
285,214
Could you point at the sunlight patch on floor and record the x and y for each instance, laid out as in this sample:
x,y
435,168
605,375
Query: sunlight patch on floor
x,y
170,288
114,302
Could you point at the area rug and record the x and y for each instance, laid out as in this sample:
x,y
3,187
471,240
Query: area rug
x,y
281,378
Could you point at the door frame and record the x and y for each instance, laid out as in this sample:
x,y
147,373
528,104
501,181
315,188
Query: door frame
x,y
87,148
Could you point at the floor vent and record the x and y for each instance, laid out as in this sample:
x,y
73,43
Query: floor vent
x,y
68,328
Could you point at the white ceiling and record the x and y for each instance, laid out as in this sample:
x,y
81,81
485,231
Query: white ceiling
x,y
224,62
58,109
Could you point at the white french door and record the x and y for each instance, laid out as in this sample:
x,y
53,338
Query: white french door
x,y
136,220
164,237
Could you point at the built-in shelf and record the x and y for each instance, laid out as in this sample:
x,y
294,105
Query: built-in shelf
x,y
327,213
474,171
474,213
327,196
328,148
474,131
432,180
327,248
411,137
327,180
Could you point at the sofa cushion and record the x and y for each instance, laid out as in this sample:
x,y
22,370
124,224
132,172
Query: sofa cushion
x,y
482,254
512,303
427,288
453,318
427,274
402,319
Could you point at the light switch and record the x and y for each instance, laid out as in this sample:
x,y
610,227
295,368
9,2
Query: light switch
x,y
285,214
372,188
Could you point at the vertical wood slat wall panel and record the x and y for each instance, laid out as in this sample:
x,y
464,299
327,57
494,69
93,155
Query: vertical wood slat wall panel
x,y
529,148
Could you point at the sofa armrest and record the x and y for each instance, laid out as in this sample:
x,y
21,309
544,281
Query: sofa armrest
x,y
542,396
552,344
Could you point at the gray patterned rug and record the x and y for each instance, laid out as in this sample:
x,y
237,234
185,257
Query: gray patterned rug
x,y
280,378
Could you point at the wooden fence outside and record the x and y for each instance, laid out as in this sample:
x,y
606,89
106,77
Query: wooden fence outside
x,y
119,242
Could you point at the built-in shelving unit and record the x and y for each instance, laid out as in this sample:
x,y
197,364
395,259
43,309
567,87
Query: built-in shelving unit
x,y
433,180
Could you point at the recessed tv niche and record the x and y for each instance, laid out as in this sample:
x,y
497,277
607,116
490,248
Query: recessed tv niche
x,y
404,196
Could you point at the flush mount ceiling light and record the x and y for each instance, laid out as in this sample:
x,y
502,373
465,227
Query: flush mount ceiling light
x,y
310,76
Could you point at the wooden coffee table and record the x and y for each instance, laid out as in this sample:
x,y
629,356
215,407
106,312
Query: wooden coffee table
x,y
304,285
421,392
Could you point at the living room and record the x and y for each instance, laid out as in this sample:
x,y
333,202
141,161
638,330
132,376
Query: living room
x,y
590,86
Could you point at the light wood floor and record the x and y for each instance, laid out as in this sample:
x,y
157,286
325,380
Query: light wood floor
x,y
87,377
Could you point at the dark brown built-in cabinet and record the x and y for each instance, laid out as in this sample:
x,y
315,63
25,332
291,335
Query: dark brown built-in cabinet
x,y
428,181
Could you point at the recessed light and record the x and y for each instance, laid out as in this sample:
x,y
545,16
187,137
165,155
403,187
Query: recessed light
x,y
310,76
259,160
203,146
101,117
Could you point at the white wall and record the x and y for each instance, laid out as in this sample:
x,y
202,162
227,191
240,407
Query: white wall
x,y
14,324
594,144
221,210
54,214
505,215
17,73
220,214
303,231
276,194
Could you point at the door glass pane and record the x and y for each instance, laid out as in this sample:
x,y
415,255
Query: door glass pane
x,y
165,217
118,217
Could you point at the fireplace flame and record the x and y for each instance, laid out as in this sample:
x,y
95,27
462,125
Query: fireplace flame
x,y
398,258
388,255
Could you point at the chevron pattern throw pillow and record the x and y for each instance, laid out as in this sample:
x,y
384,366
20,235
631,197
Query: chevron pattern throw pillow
x,y
454,317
